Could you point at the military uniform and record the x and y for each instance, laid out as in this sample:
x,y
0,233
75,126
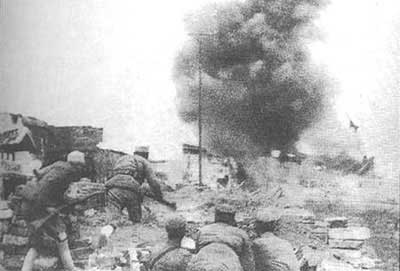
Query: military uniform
x,y
124,187
170,256
225,232
45,193
48,191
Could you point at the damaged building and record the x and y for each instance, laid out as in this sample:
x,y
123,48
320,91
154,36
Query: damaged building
x,y
27,143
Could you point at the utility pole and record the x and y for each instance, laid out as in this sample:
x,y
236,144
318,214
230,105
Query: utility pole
x,y
198,37
200,117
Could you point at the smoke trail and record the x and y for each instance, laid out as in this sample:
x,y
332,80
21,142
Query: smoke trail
x,y
260,89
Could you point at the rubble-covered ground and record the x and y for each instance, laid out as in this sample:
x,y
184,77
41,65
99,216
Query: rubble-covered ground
x,y
311,200
305,196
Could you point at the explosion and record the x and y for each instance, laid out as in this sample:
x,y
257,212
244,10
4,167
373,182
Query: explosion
x,y
260,90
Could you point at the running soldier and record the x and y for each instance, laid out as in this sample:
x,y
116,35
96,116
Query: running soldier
x,y
125,186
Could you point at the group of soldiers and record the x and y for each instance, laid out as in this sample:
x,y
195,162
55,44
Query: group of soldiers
x,y
42,199
222,246
219,246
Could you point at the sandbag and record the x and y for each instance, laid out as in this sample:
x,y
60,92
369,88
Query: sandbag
x,y
215,257
173,260
237,239
274,254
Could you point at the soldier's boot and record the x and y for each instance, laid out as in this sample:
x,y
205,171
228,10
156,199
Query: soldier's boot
x,y
65,254
29,260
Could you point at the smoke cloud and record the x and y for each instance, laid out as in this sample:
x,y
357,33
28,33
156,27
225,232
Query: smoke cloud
x,y
260,89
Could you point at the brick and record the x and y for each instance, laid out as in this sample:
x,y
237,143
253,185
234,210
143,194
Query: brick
x,y
349,244
19,231
332,265
13,249
102,261
81,253
6,214
20,223
4,226
3,205
351,233
9,239
13,262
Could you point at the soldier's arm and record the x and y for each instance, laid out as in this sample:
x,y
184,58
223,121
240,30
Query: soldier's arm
x,y
152,180
39,173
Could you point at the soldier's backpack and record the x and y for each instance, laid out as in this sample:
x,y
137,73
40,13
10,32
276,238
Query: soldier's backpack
x,y
215,257
274,254
237,239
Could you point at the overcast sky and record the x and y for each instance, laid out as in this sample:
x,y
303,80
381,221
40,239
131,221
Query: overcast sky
x,y
108,64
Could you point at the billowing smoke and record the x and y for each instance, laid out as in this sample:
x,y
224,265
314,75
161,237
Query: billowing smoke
x,y
260,90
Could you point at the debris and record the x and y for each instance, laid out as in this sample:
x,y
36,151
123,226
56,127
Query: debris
x,y
350,244
4,226
45,263
350,233
333,265
6,214
9,239
337,222
3,205
89,213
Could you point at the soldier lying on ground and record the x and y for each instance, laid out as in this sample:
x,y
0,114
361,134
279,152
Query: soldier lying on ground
x,y
171,256
218,244
41,198
124,187
271,252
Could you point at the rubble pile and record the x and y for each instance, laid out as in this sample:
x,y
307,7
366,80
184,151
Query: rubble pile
x,y
13,236
345,247
132,259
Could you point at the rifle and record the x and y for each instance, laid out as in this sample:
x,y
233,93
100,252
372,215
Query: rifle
x,y
37,224
167,203
163,201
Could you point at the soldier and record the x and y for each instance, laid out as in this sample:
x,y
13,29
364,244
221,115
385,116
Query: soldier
x,y
224,231
42,198
125,186
271,252
171,256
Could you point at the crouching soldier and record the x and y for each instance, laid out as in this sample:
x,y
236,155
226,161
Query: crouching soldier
x,y
223,246
171,256
40,203
125,186
271,252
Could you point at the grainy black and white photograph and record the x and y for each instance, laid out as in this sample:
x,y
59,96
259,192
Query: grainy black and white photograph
x,y
203,135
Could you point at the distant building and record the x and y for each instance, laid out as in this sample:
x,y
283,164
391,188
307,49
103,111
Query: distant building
x,y
213,166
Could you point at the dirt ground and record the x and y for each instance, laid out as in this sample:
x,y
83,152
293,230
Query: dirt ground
x,y
367,201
